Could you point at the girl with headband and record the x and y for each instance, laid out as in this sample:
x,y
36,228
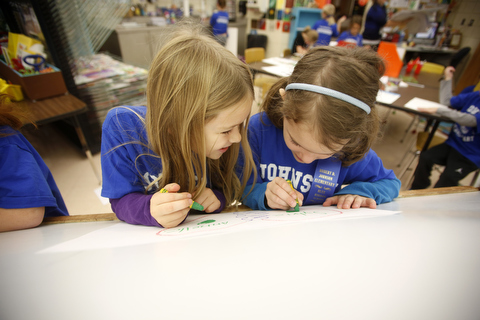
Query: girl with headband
x,y
316,129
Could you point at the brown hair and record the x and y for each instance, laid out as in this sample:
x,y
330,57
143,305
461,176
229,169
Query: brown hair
x,y
356,19
222,3
353,71
191,80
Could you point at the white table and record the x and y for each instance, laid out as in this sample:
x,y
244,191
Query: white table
x,y
423,263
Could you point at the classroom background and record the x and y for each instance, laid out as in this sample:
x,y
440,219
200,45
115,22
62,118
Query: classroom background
x,y
104,63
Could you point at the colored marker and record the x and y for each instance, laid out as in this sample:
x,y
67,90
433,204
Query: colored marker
x,y
297,207
194,205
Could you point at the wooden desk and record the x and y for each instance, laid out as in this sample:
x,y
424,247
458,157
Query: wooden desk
x,y
59,108
419,264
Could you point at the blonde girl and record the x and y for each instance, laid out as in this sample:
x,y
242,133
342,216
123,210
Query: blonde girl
x,y
305,40
326,27
184,144
316,129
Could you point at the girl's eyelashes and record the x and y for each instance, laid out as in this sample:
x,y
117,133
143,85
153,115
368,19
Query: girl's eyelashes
x,y
294,142
227,132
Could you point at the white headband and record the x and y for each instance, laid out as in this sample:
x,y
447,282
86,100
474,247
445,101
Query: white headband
x,y
331,93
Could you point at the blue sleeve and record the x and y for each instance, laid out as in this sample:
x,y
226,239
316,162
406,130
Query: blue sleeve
x,y
342,36
458,102
23,183
381,191
212,20
256,198
334,30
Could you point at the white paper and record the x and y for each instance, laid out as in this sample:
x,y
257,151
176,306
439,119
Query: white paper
x,y
281,70
277,61
122,234
387,97
416,103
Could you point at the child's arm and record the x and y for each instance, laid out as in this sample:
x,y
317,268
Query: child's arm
x,y
160,209
365,194
21,218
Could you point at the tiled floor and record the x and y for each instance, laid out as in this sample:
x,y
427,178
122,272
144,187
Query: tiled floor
x,y
79,186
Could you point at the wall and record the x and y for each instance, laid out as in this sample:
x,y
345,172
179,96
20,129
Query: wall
x,y
468,10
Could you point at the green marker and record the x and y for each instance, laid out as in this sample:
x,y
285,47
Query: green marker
x,y
297,207
194,205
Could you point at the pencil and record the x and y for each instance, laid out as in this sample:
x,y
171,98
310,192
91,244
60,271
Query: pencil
x,y
194,205
297,207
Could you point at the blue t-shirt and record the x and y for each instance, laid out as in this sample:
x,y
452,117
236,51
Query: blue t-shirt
x,y
349,38
219,22
26,181
273,158
325,32
128,165
375,20
466,140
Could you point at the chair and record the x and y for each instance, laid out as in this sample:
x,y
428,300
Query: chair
x,y
287,52
421,139
255,54
264,82
431,67
257,40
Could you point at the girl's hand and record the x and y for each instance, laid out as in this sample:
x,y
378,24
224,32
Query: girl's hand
x,y
208,200
347,201
170,209
448,72
280,195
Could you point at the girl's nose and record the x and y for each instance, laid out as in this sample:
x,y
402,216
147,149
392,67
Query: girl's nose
x,y
235,135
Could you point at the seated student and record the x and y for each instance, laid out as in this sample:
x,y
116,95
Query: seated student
x,y
219,22
28,192
304,40
186,141
460,153
316,129
326,27
352,36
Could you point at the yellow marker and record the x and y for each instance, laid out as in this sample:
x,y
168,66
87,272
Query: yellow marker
x,y
297,207
194,205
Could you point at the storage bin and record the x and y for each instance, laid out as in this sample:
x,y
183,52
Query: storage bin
x,y
36,86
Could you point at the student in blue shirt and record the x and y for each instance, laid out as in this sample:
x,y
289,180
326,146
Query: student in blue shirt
x,y
326,27
352,37
186,141
460,153
316,129
219,22
28,192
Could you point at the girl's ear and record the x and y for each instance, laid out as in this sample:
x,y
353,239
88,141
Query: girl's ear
x,y
282,93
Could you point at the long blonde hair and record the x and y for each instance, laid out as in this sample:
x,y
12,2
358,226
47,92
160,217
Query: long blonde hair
x,y
329,10
191,80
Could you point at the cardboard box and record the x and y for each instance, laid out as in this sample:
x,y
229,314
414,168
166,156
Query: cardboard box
x,y
36,86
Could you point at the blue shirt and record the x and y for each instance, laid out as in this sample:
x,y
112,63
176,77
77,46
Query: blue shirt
x,y
466,140
26,181
325,32
273,158
219,22
348,37
128,165
375,20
